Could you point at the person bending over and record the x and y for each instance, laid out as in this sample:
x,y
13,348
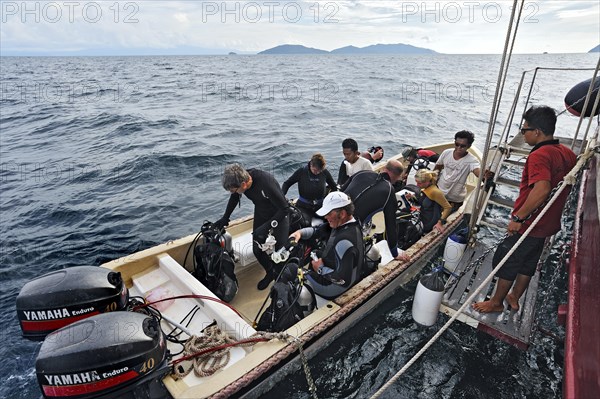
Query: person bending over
x,y
269,205
374,192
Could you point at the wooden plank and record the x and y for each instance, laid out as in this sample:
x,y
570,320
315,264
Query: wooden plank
x,y
482,273
512,326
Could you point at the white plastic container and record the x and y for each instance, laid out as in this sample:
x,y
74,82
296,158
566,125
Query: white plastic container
x,y
426,305
453,252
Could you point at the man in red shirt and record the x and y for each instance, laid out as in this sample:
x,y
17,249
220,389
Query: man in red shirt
x,y
547,164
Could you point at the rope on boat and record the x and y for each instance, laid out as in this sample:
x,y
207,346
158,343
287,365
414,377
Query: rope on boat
x,y
210,352
568,180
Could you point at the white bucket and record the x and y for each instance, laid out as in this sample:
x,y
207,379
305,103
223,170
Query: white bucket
x,y
426,305
452,253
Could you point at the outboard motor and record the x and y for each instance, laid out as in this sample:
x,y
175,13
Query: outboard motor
x,y
59,298
112,355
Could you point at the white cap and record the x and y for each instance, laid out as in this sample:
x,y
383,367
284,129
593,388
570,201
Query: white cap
x,y
334,200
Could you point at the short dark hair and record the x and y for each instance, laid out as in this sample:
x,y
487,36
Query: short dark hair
x,y
541,117
350,144
465,134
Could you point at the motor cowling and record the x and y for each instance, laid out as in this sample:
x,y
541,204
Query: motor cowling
x,y
59,298
111,355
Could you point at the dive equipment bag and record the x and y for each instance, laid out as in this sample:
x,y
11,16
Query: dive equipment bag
x,y
409,227
291,301
213,262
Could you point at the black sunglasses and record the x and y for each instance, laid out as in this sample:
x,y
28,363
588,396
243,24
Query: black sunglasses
x,y
461,145
523,130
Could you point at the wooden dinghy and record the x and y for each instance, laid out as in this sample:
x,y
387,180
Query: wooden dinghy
x,y
164,272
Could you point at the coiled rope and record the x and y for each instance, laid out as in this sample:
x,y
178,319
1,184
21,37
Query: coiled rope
x,y
210,352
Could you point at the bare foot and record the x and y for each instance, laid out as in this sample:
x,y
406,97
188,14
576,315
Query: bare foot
x,y
488,307
512,301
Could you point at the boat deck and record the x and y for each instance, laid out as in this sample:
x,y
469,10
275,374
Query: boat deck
x,y
510,326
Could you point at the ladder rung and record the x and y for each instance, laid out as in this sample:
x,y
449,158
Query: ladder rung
x,y
505,202
515,162
519,150
493,222
508,182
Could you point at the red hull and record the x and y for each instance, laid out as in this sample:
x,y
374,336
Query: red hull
x,y
582,341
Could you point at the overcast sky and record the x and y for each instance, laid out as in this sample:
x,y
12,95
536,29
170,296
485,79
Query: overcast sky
x,y
167,27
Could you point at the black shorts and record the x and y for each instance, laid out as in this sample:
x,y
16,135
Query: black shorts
x,y
523,261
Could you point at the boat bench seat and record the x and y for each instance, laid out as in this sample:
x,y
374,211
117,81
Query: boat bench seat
x,y
171,279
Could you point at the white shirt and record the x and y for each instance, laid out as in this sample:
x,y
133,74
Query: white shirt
x,y
360,164
454,175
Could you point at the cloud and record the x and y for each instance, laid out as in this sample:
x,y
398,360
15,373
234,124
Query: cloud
x,y
445,26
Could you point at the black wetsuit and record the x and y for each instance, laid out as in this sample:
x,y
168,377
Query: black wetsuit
x,y
342,260
311,189
269,204
342,174
430,211
372,192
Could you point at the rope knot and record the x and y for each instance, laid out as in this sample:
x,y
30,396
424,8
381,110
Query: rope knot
x,y
207,355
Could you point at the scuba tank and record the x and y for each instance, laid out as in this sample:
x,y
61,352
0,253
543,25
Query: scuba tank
x,y
455,247
226,241
306,299
428,297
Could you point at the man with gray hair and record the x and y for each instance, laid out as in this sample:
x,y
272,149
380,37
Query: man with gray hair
x,y
270,208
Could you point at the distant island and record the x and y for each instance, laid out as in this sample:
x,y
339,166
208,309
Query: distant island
x,y
373,49
595,49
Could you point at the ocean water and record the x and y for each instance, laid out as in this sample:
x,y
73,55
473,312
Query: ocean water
x,y
104,156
